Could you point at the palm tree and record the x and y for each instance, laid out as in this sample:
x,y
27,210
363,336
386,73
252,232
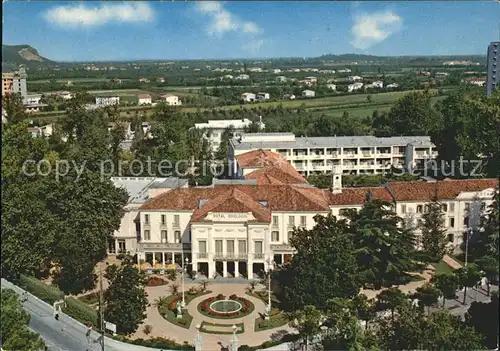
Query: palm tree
x,y
174,288
203,285
160,301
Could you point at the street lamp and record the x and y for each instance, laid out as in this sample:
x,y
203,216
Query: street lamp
x,y
234,339
184,270
198,341
468,234
270,264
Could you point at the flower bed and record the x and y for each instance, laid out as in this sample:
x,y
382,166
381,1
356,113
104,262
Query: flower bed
x,y
205,309
156,281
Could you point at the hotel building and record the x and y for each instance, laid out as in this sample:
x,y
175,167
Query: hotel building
x,y
233,227
354,154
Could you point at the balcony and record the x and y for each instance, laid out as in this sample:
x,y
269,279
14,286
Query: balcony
x,y
218,255
350,155
317,155
176,225
317,165
349,166
164,246
281,247
258,256
202,255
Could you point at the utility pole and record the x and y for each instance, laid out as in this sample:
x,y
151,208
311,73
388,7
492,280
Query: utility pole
x,y
101,308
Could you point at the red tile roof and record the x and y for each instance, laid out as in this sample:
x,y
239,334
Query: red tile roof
x,y
446,189
274,168
279,197
357,196
233,200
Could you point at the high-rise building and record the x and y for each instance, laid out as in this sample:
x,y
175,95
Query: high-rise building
x,y
493,59
15,82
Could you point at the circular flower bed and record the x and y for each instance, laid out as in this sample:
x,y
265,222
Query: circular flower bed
x,y
226,308
156,281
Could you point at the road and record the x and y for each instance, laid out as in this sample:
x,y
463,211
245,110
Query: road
x,y
65,334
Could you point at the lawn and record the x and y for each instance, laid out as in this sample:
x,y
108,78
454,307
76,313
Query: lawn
x,y
274,321
442,267
185,321
226,326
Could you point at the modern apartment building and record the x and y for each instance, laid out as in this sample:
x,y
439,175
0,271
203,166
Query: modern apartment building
x,y
15,82
356,154
492,67
215,128
233,228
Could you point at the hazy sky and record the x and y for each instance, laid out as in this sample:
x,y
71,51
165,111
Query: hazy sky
x,y
80,31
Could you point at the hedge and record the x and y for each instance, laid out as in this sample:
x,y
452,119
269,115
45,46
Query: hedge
x,y
268,344
158,343
80,311
47,293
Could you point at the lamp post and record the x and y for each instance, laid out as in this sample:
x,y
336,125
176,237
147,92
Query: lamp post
x,y
198,341
468,234
234,339
184,270
269,271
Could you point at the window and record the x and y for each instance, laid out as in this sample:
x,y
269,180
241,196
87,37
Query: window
x,y
452,207
176,219
258,247
426,208
444,207
466,221
230,246
177,235
163,219
419,208
275,236
202,246
483,206
218,246
242,246
163,235
291,221
303,220
452,222
275,220
121,246
147,235
467,206
146,219
403,208
451,238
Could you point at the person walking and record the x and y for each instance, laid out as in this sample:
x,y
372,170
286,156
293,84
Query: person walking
x,y
89,331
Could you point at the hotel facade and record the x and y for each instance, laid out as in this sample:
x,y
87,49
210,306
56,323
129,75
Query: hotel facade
x,y
234,228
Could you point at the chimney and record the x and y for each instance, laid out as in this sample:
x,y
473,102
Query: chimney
x,y
336,180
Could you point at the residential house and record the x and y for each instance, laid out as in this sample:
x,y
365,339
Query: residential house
x,y
375,85
170,99
392,85
160,80
289,97
248,97
308,93
331,87
354,78
242,77
262,96
281,79
107,100
354,86
144,99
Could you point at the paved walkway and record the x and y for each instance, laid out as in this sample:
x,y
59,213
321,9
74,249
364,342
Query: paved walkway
x,y
162,328
450,261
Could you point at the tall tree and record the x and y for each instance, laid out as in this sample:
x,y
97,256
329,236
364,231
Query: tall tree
x,y
468,277
307,321
391,299
329,250
412,114
433,231
13,105
483,317
447,284
385,248
125,300
427,295
14,334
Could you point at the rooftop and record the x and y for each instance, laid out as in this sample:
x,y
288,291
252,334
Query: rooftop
x,y
322,142
224,123
137,187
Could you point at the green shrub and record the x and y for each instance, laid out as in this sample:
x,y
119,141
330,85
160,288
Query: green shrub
x,y
47,293
80,311
161,343
90,299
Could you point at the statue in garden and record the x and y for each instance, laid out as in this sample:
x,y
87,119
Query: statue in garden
x,y
179,309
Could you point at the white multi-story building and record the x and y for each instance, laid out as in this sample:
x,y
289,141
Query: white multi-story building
x,y
32,99
107,100
171,100
354,86
232,228
215,128
355,154
140,190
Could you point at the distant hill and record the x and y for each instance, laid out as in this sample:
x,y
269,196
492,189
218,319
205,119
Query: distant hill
x,y
21,54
